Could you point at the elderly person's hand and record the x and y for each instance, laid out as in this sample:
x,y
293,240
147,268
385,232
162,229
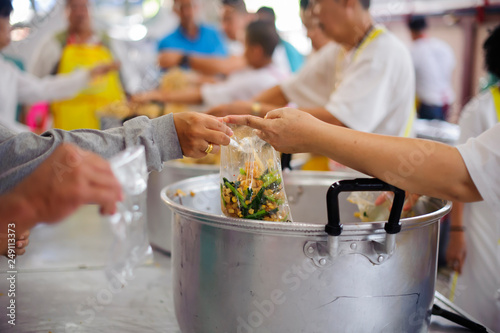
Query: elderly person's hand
x,y
200,134
21,242
285,129
69,178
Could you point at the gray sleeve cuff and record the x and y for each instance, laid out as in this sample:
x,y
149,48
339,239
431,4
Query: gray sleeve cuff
x,y
165,138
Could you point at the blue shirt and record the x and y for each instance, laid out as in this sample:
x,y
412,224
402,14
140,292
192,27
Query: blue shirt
x,y
208,42
295,58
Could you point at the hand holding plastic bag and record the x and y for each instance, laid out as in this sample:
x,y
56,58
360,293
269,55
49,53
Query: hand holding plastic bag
x,y
251,179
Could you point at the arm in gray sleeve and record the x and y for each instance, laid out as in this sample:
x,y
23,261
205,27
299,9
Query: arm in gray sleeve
x,y
20,154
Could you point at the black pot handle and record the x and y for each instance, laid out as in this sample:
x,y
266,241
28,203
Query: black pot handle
x,y
334,228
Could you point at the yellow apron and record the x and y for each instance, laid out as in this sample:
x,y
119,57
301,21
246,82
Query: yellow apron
x,y
80,112
495,92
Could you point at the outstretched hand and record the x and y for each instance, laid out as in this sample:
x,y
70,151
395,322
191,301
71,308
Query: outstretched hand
x,y
287,130
197,131
101,70
67,179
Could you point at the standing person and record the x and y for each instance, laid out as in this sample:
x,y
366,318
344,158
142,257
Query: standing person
x,y
284,50
17,87
79,46
351,82
190,37
474,243
434,64
261,40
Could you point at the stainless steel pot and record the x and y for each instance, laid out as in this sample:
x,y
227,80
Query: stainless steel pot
x,y
159,215
247,276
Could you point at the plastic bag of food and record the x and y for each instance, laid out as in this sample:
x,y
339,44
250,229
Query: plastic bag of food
x,y
251,179
130,247
375,206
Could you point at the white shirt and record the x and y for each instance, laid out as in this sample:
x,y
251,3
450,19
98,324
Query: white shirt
x,y
243,85
235,48
478,288
434,64
375,93
20,87
482,158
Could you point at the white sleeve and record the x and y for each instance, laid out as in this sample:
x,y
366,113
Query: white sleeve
x,y
238,87
45,58
482,159
470,121
309,87
215,94
32,89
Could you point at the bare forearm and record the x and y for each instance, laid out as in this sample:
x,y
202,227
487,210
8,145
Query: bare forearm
x,y
185,96
324,115
273,96
456,214
418,166
214,66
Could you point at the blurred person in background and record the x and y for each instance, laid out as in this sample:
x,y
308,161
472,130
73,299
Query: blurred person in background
x,y
351,82
285,50
190,38
474,242
260,42
17,87
314,31
235,19
434,63
76,47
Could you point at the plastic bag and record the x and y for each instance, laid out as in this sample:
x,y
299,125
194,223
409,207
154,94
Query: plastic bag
x,y
130,246
369,212
251,179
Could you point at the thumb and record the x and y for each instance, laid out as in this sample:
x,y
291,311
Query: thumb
x,y
275,114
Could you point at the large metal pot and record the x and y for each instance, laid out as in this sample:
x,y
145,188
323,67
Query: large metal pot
x,y
159,215
235,275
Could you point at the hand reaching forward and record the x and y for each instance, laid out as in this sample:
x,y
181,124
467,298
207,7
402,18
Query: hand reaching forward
x,y
200,134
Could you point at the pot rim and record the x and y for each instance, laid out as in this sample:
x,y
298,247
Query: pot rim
x,y
295,228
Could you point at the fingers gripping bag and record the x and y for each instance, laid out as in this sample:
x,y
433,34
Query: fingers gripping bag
x,y
130,247
251,179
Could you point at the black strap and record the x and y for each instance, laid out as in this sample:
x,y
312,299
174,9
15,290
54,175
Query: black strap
x,y
457,319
